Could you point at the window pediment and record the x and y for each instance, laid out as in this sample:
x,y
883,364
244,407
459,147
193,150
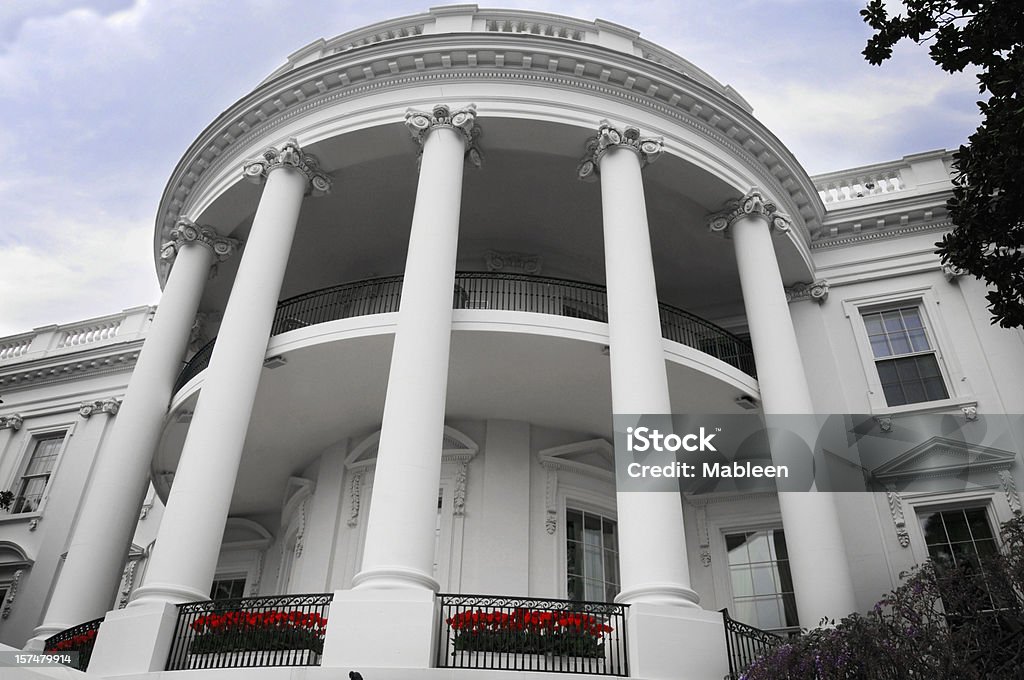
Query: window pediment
x,y
943,457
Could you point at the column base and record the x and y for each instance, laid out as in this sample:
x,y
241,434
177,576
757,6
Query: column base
x,y
381,629
135,639
676,643
667,594
394,578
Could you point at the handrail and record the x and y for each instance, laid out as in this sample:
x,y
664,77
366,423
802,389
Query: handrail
x,y
745,644
80,639
496,291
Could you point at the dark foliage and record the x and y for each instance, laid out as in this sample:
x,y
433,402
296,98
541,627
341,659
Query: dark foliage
x,y
987,207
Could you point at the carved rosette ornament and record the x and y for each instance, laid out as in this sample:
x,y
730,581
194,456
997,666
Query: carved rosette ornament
x,y
610,137
816,291
754,204
11,422
289,155
463,121
186,231
111,406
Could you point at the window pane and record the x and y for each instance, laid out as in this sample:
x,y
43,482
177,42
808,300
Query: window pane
x,y
934,388
894,395
742,585
918,341
978,523
900,343
736,544
611,542
873,322
764,580
912,317
573,525
880,346
758,547
913,392
574,558
593,565
575,589
892,321
931,526
768,614
956,526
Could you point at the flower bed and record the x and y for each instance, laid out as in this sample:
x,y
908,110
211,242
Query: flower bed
x,y
528,631
237,631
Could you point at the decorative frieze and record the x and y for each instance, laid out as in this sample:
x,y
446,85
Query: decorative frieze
x,y
817,291
186,231
110,405
11,422
12,593
753,204
290,155
1009,485
610,137
518,263
896,512
463,121
355,490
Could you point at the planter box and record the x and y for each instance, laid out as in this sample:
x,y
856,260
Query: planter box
x,y
249,658
527,662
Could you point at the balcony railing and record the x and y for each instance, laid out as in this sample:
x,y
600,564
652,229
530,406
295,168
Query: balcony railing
x,y
79,639
505,292
745,644
529,634
255,631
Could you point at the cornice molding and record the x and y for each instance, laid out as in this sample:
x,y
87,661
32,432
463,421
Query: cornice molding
x,y
71,368
860,237
514,57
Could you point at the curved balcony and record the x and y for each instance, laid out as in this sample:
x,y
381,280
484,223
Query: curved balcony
x,y
483,290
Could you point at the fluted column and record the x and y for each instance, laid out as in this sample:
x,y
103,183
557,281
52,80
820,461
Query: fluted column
x,y
102,535
652,544
399,547
817,555
188,543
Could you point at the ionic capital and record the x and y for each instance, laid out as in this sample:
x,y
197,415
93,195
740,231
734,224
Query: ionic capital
x,y
11,422
610,137
186,231
292,156
753,204
816,290
110,405
463,121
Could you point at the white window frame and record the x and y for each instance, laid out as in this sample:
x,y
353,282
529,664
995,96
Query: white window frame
x,y
925,299
28,447
577,498
997,510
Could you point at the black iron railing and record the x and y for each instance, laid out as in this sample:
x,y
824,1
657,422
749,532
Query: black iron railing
x,y
81,639
505,292
530,634
255,631
745,644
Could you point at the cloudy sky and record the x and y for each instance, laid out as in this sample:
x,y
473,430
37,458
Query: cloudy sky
x,y
99,98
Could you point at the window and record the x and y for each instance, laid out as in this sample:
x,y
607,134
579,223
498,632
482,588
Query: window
x,y
30,488
227,589
957,537
906,362
762,585
592,556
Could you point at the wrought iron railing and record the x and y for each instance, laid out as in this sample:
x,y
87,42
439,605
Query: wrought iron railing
x,y
287,630
506,292
80,639
530,634
745,644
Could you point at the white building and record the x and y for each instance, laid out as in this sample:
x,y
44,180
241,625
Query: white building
x,y
366,440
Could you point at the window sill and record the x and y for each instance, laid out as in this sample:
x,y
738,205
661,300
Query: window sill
x,y
940,406
7,518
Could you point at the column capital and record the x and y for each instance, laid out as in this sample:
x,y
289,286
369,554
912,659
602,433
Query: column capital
x,y
289,155
186,231
610,137
110,405
11,422
463,121
753,204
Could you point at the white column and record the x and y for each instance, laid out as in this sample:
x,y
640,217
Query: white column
x,y
188,543
399,547
106,523
652,544
817,556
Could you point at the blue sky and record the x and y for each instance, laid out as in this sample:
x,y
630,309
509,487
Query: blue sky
x,y
99,99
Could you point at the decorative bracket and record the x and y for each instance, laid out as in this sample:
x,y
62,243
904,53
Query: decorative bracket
x,y
609,137
463,121
753,204
355,490
12,592
952,272
290,155
1009,485
11,422
896,511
